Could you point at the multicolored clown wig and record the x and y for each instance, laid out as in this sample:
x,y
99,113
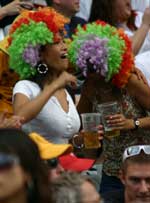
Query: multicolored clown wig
x,y
30,31
101,48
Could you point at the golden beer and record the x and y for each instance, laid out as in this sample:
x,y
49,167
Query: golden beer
x,y
91,140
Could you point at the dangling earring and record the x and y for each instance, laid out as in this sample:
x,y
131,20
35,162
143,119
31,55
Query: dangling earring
x,y
42,68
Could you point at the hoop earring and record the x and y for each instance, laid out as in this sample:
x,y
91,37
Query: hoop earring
x,y
42,68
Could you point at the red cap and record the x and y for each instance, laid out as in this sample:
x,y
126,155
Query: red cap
x,y
72,163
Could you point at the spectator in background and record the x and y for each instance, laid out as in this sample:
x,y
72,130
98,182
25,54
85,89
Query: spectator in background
x,y
119,13
68,9
140,5
9,11
85,8
23,175
135,175
71,187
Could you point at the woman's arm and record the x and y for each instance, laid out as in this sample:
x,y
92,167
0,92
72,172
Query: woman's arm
x,y
28,109
14,8
139,90
139,36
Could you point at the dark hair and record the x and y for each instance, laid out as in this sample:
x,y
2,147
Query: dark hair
x,y
141,158
14,141
49,2
103,10
41,78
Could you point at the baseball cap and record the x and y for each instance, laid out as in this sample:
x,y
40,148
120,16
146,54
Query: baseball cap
x,y
50,150
72,163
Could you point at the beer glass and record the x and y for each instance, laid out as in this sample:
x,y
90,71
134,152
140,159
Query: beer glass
x,y
90,121
107,109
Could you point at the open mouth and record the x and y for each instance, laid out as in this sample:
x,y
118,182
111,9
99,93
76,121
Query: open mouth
x,y
64,56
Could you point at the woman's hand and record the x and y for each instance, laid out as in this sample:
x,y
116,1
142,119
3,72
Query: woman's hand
x,y
100,132
78,139
64,79
15,7
139,75
12,122
119,122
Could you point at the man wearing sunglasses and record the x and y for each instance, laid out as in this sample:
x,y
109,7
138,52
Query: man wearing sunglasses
x,y
135,175
59,158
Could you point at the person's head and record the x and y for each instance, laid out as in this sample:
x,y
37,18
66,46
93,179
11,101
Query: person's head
x,y
99,48
73,187
23,175
135,173
36,47
58,157
55,169
122,10
65,7
112,12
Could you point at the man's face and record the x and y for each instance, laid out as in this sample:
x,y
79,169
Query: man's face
x,y
70,6
137,183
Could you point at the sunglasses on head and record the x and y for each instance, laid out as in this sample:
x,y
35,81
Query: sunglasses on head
x,y
52,163
135,150
7,161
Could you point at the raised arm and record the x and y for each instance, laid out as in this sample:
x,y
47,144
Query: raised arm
x,y
14,8
29,109
139,36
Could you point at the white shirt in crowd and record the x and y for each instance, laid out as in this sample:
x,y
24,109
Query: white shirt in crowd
x,y
142,61
140,5
130,33
85,8
52,122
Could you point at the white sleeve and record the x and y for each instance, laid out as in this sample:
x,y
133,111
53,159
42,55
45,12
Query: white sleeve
x,y
23,88
142,62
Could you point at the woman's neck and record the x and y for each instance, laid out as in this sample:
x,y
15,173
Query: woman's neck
x,y
53,75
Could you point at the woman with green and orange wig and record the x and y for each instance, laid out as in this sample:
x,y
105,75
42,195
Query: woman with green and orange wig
x,y
39,55
104,56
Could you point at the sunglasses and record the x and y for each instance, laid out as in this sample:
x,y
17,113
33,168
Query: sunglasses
x,y
52,163
135,150
7,161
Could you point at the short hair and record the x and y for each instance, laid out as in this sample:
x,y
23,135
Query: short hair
x,y
67,188
141,158
103,10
